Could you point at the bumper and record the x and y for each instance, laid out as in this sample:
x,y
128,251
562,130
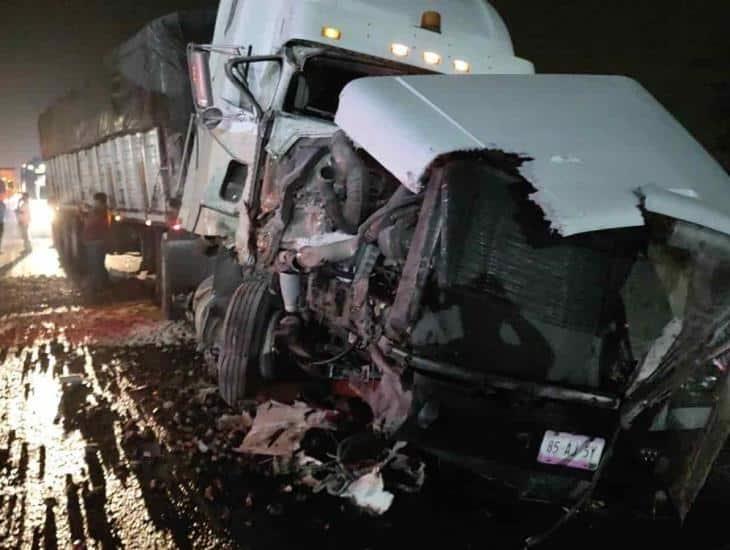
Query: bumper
x,y
498,433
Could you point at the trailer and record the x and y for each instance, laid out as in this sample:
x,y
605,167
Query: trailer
x,y
123,133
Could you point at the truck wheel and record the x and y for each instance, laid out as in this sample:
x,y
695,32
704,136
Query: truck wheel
x,y
62,246
75,249
249,319
150,246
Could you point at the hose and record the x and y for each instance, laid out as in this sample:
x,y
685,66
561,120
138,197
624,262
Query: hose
x,y
325,180
351,171
400,199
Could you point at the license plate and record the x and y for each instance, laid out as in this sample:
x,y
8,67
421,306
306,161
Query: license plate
x,y
571,450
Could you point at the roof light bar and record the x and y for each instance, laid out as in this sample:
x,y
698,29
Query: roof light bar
x,y
332,33
461,66
399,50
432,58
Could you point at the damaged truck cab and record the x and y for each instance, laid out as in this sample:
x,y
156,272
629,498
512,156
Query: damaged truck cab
x,y
533,268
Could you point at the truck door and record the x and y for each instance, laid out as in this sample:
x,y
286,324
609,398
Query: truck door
x,y
221,167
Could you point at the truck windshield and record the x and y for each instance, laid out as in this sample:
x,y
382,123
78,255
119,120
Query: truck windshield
x,y
315,91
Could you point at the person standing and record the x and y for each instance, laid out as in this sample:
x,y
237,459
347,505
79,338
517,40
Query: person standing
x,y
95,236
22,212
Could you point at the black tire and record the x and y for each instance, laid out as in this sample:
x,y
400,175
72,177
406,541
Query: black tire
x,y
62,242
150,246
74,248
247,319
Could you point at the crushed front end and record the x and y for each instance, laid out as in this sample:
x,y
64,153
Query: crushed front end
x,y
551,363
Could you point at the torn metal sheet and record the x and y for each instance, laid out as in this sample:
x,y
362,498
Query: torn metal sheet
x,y
278,429
588,143
389,400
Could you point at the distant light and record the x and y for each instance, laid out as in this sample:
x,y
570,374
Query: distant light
x,y
31,167
177,227
400,50
117,218
148,223
461,66
41,168
332,33
432,58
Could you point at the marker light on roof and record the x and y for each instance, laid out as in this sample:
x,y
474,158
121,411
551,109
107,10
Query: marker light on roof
x,y
461,66
332,33
432,58
400,50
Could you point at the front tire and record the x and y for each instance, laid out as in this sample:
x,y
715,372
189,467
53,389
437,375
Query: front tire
x,y
249,318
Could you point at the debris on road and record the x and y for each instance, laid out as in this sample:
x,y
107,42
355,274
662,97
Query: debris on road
x,y
278,429
368,491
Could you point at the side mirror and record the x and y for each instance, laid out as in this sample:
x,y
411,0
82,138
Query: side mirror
x,y
238,77
199,68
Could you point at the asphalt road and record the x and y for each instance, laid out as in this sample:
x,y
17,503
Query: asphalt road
x,y
127,454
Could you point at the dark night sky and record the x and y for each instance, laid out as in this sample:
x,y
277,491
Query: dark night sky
x,y
679,49
48,46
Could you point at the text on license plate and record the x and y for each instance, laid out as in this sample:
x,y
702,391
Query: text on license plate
x,y
571,450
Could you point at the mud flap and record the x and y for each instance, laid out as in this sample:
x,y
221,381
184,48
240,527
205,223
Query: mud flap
x,y
183,267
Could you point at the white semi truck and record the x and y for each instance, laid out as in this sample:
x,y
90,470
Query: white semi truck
x,y
538,266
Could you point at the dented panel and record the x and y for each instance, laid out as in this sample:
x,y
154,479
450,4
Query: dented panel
x,y
589,144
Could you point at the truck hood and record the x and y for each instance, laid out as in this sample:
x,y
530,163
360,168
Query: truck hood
x,y
595,148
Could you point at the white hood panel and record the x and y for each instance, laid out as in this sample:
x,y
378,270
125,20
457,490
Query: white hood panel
x,y
595,142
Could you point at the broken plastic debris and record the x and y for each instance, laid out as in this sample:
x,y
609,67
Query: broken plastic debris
x,y
278,429
369,492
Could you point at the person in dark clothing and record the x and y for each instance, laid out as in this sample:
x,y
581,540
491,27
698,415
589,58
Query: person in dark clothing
x,y
95,236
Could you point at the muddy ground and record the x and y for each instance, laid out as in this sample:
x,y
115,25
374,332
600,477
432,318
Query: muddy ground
x,y
128,455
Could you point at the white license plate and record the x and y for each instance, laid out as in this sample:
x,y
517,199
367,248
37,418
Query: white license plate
x,y
571,450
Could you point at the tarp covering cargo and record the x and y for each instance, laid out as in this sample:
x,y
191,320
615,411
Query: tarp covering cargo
x,y
140,85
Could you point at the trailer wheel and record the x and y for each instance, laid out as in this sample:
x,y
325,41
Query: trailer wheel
x,y
62,242
248,322
74,248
